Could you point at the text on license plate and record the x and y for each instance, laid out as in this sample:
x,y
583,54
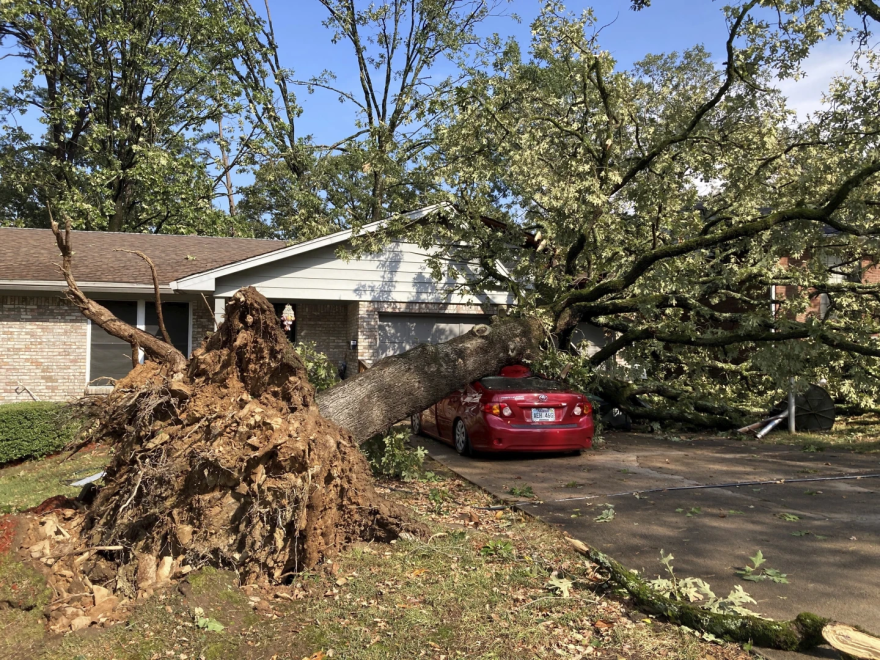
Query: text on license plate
x,y
543,415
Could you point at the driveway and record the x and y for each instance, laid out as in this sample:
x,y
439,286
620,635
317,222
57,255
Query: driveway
x,y
825,535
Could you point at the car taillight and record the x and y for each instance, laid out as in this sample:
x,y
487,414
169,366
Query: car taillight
x,y
498,409
582,409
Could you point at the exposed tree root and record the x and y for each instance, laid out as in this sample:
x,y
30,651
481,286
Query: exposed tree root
x,y
231,464
155,348
802,633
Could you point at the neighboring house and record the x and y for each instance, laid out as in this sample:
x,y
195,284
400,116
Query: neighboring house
x,y
356,311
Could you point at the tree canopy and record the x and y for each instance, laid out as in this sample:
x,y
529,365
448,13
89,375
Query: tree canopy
x,y
128,94
679,206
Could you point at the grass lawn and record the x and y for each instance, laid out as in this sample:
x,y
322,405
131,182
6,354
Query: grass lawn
x,y
488,584
27,484
859,434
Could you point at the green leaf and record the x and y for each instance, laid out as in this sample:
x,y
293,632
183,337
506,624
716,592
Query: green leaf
x,y
776,576
758,559
606,516
209,624
751,577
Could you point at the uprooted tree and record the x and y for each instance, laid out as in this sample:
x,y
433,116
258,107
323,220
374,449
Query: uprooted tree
x,y
717,242
228,459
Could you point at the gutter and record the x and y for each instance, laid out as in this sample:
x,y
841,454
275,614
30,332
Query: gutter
x,y
92,287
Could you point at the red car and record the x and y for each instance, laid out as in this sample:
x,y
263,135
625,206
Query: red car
x,y
514,411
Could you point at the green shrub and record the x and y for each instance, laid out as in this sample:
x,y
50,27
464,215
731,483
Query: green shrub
x,y
322,373
34,429
391,456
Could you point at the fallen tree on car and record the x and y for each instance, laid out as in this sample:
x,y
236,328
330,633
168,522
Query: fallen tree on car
x,y
228,459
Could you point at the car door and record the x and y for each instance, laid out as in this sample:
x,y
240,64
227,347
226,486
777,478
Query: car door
x,y
429,420
447,411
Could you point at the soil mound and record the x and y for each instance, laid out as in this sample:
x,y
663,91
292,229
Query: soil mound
x,y
228,463
231,464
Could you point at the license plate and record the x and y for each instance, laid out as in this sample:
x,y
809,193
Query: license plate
x,y
543,415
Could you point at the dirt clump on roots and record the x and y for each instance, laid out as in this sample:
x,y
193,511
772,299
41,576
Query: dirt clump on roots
x,y
227,464
231,464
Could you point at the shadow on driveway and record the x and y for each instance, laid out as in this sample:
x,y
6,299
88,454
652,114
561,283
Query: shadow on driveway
x,y
825,535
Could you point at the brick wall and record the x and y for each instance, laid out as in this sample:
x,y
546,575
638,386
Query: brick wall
x,y
352,356
368,320
325,324
42,345
202,321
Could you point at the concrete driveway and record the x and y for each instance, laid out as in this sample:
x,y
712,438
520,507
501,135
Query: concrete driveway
x,y
825,535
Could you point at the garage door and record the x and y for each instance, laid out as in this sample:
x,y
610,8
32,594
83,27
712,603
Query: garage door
x,y
401,332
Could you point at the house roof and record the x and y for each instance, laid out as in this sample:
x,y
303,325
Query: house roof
x,y
29,258
31,255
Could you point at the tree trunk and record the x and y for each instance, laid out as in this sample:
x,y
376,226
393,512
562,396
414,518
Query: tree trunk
x,y
402,385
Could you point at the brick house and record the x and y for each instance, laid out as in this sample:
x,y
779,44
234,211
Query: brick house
x,y
356,311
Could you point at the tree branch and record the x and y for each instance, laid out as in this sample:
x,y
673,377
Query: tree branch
x,y
644,263
103,317
152,266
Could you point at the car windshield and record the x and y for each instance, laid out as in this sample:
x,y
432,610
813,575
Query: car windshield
x,y
499,383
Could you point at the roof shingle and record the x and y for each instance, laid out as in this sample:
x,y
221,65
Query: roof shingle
x,y
32,255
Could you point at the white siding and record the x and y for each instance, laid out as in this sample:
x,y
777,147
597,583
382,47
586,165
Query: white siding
x,y
397,274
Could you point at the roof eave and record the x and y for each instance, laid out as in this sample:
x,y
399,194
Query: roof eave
x,y
206,280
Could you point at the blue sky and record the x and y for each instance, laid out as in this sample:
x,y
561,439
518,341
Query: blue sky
x,y
669,25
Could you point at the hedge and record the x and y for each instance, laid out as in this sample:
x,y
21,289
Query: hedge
x,y
34,429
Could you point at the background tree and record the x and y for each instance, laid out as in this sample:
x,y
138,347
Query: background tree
x,y
129,93
302,189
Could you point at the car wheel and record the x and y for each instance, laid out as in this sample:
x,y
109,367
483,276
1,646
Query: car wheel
x,y
416,423
462,441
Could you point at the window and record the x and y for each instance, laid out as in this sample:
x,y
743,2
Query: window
x,y
110,358
176,317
